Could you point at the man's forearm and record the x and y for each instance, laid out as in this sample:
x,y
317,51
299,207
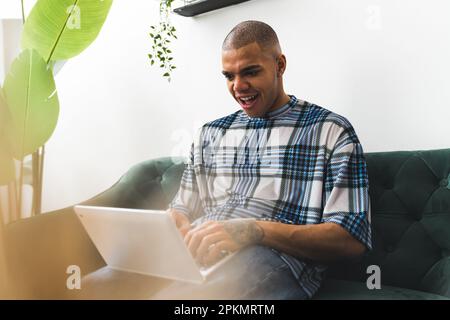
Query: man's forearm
x,y
244,231
323,242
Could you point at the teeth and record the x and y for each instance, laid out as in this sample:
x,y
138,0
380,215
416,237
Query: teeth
x,y
248,98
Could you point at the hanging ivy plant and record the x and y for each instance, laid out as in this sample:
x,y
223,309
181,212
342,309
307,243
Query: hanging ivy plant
x,y
161,35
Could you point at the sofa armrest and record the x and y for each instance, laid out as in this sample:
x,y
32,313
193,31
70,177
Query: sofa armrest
x,y
39,250
150,184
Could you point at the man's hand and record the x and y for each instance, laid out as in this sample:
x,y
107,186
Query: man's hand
x,y
212,240
181,221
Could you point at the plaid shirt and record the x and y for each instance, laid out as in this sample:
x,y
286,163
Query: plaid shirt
x,y
300,164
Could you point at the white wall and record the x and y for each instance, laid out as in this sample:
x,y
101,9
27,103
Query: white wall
x,y
384,64
11,30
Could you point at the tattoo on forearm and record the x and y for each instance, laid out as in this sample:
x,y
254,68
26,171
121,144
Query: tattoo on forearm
x,y
244,231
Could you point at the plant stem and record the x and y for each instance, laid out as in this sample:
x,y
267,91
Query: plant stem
x,y
35,177
40,179
23,12
37,165
12,193
19,204
1,216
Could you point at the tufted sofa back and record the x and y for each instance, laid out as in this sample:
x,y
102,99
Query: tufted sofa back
x,y
410,202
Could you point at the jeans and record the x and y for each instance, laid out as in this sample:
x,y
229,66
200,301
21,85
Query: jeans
x,y
255,272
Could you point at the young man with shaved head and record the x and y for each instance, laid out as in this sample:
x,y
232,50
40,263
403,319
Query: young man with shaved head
x,y
281,182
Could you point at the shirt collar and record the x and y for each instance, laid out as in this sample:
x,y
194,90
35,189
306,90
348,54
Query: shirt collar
x,y
292,102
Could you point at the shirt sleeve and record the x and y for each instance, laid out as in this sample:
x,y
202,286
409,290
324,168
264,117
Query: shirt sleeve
x,y
346,196
187,199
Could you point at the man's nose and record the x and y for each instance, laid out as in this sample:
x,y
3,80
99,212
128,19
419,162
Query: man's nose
x,y
240,84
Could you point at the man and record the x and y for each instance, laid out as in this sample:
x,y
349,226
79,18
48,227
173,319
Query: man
x,y
282,182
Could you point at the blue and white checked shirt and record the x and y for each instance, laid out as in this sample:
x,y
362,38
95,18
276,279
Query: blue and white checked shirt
x,y
300,164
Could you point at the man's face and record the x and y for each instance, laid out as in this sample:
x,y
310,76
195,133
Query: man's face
x,y
253,78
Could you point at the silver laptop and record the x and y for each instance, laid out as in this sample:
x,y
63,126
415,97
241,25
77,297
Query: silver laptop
x,y
142,241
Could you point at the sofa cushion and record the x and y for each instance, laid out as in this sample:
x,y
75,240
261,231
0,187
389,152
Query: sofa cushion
x,y
351,290
437,278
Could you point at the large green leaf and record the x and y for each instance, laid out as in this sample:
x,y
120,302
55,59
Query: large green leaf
x,y
6,158
61,29
32,101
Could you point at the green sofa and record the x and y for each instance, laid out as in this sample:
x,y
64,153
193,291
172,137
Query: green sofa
x,y
410,201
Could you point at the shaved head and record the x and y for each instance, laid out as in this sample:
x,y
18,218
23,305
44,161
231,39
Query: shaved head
x,y
248,32
253,64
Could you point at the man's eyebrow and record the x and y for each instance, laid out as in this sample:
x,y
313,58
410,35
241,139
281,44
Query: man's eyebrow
x,y
246,69
249,68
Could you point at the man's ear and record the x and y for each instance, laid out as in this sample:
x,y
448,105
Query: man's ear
x,y
281,65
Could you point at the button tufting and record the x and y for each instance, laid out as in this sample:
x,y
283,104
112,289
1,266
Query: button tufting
x,y
445,183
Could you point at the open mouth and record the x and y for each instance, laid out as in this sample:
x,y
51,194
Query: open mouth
x,y
248,101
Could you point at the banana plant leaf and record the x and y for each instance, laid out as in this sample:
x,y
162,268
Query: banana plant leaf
x,y
61,29
32,101
6,159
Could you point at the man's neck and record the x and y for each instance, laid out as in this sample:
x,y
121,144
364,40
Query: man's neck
x,y
280,101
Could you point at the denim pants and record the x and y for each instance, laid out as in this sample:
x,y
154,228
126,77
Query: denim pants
x,y
255,272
